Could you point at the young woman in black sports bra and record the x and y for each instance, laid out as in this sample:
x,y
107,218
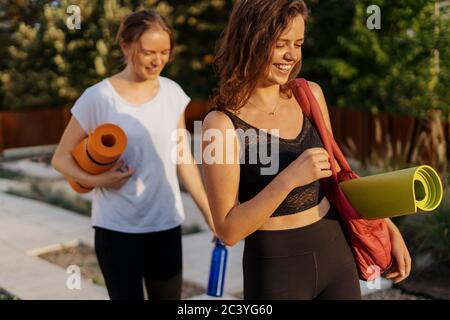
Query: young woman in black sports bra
x,y
295,247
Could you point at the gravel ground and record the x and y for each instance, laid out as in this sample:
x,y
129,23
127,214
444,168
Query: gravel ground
x,y
392,294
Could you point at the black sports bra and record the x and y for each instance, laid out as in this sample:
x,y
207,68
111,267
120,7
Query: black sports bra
x,y
252,181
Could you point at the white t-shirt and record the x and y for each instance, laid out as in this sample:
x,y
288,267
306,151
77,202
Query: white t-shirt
x,y
150,200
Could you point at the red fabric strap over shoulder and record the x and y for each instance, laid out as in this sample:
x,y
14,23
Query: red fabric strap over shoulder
x,y
311,108
369,239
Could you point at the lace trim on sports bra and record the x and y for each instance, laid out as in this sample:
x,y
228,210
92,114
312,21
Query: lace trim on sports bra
x,y
252,181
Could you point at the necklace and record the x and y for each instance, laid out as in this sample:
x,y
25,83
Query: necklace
x,y
272,113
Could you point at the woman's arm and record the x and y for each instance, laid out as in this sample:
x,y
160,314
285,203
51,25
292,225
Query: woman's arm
x,y
402,258
234,221
63,162
62,159
190,175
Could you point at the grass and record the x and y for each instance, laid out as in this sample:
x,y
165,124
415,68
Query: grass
x,y
10,174
427,234
4,295
42,192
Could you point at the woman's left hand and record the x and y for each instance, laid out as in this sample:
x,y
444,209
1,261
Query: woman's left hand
x,y
402,259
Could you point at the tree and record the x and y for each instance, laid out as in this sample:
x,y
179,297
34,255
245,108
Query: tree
x,y
402,68
379,70
11,15
198,24
50,64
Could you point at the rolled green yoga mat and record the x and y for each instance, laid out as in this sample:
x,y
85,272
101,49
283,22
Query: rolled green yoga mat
x,y
395,193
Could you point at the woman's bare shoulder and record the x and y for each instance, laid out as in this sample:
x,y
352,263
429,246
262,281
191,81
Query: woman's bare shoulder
x,y
217,119
315,88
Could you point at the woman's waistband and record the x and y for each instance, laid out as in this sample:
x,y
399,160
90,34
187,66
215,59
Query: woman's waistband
x,y
288,242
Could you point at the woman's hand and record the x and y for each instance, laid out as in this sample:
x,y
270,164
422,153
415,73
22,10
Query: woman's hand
x,y
313,164
115,177
402,259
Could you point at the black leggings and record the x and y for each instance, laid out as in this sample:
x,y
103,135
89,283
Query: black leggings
x,y
127,260
311,262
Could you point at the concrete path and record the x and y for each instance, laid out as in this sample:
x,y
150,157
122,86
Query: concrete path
x,y
29,228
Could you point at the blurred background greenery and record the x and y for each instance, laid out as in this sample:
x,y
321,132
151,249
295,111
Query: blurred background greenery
x,y
402,68
46,64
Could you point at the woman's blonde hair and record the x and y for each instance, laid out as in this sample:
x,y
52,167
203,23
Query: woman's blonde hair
x,y
135,24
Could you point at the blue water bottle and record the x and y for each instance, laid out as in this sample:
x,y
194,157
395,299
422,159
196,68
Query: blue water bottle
x,y
217,271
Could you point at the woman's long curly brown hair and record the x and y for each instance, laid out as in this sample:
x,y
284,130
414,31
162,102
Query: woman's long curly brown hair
x,y
246,45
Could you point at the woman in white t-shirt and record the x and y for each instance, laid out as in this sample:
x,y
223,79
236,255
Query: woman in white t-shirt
x,y
137,210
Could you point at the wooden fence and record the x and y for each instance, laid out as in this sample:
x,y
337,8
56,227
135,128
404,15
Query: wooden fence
x,y
360,134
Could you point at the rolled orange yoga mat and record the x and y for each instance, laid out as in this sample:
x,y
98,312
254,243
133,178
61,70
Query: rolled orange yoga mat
x,y
98,152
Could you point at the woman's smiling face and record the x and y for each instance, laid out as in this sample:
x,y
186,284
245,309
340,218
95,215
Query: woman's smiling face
x,y
151,54
286,52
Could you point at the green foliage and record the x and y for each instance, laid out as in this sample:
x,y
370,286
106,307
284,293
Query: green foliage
x,y
427,233
11,15
393,69
10,174
6,295
51,65
198,25
40,192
